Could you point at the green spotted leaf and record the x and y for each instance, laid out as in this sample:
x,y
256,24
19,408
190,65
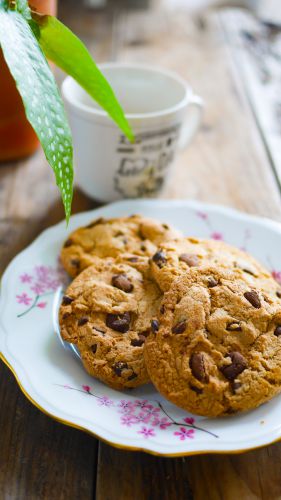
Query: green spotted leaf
x,y
23,8
37,87
65,49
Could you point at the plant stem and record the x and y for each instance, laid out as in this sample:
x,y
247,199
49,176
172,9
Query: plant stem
x,y
174,422
30,308
192,426
34,304
79,390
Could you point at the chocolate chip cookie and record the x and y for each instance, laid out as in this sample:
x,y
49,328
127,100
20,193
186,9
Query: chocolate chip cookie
x,y
135,235
107,312
216,348
174,258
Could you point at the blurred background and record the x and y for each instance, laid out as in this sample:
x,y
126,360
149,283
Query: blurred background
x,y
92,18
206,42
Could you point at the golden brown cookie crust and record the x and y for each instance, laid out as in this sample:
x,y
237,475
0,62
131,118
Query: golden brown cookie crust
x,y
217,348
107,311
174,258
136,235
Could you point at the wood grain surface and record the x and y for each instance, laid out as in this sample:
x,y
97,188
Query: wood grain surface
x,y
227,163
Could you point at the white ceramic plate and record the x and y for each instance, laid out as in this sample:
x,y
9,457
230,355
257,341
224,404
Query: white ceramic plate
x,y
54,380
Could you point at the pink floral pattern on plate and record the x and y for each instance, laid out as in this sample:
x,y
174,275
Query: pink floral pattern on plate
x,y
214,234
39,283
217,235
147,417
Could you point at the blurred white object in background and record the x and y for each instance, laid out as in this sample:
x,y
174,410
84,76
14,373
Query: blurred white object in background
x,y
268,10
95,4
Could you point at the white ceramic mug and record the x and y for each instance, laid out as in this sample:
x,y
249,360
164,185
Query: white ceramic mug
x,y
164,115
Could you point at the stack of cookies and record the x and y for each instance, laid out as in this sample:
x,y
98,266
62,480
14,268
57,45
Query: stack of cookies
x,y
199,318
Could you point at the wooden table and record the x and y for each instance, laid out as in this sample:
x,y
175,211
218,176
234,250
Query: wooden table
x,y
232,61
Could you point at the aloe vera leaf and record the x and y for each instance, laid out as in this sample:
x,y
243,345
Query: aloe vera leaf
x,y
42,101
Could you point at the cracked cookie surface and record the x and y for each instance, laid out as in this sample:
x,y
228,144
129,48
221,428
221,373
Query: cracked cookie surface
x,y
135,235
174,258
216,349
107,311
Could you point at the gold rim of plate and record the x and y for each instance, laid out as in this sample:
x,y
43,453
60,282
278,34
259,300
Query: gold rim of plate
x,y
126,447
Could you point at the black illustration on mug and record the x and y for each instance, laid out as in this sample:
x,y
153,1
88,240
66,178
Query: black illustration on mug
x,y
143,165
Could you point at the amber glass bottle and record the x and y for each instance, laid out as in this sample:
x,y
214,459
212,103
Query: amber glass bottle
x,y
17,138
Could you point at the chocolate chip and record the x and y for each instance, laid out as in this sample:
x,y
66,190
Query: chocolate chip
x,y
131,377
235,326
195,389
119,367
118,322
212,282
165,226
82,321
75,263
67,300
179,327
66,315
237,366
133,259
122,282
98,330
249,271
138,342
253,298
190,259
230,411
278,293
277,331
95,223
141,234
68,243
94,348
143,248
145,333
159,258
197,365
267,299
246,267
236,385
154,325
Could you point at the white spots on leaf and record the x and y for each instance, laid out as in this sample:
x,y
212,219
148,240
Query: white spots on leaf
x,y
43,105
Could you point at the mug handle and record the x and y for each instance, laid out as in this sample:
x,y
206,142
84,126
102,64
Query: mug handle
x,y
192,123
